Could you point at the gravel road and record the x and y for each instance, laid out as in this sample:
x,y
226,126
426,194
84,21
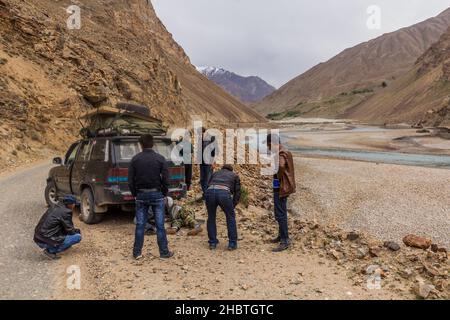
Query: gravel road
x,y
24,272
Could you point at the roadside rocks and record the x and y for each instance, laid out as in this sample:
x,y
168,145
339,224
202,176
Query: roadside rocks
x,y
352,236
375,251
417,242
423,290
391,245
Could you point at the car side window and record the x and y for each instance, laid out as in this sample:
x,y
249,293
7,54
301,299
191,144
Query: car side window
x,y
85,150
100,150
71,154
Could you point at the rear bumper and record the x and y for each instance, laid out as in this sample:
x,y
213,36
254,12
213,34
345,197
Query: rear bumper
x,y
115,196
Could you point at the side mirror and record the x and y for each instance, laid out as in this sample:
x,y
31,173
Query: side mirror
x,y
57,161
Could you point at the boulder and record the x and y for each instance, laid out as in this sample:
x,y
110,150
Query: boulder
x,y
423,290
417,242
391,245
352,236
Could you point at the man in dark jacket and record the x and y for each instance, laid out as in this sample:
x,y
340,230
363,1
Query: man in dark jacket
x,y
55,231
224,191
148,179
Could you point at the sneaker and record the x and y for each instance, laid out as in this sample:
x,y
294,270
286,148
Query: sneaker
x,y
168,255
139,257
232,248
212,246
51,256
281,247
172,231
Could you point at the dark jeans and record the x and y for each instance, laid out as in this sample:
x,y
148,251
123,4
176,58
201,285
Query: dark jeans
x,y
224,200
205,174
144,201
69,241
280,209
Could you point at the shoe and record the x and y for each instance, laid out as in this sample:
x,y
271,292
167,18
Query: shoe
x,y
195,231
139,257
281,247
212,246
51,256
172,231
276,240
168,255
232,248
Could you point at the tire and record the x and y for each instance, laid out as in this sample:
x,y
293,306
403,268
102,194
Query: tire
x,y
51,194
87,208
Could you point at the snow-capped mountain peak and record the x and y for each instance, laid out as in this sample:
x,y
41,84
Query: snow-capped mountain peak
x,y
211,71
247,89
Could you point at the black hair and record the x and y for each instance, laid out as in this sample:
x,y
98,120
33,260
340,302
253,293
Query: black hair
x,y
228,167
146,141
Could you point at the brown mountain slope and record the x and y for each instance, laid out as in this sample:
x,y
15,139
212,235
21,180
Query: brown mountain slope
x,y
49,74
362,68
422,95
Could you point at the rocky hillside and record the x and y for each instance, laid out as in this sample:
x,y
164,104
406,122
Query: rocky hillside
x,y
352,76
247,89
49,73
422,96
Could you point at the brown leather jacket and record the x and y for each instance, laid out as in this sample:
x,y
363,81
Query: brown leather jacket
x,y
286,174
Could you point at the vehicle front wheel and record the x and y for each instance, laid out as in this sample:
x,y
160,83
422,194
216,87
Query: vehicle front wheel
x,y
51,195
87,208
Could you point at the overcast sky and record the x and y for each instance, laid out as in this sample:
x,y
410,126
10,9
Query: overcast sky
x,y
279,39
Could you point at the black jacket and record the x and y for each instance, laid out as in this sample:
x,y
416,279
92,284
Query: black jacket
x,y
148,170
54,226
226,177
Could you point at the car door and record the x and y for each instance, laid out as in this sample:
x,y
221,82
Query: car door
x,y
62,173
79,166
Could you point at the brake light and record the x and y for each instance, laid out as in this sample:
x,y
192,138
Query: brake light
x,y
117,175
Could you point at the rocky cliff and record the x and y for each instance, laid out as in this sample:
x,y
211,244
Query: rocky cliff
x,y
50,74
421,96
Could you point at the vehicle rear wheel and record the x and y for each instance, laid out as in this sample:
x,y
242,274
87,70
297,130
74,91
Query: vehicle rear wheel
x,y
51,195
87,209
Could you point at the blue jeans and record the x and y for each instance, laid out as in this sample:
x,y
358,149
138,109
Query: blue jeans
x,y
69,241
224,200
280,210
205,174
144,201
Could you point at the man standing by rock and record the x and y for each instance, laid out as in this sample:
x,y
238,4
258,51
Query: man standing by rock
x,y
55,231
283,187
148,178
224,191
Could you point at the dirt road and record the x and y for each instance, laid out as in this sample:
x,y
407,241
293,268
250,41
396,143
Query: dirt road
x,y
24,272
252,272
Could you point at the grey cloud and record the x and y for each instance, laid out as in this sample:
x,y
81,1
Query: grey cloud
x,y
279,39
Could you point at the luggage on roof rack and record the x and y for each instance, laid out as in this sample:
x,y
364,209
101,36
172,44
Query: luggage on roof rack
x,y
124,119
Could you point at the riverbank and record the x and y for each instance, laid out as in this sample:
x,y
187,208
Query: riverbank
x,y
362,137
387,201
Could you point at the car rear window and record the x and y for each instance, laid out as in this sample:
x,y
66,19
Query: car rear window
x,y
126,150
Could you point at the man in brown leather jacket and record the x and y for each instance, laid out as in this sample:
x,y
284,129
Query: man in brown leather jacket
x,y
283,187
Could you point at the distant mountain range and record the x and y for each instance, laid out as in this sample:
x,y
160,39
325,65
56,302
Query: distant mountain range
x,y
247,89
368,81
